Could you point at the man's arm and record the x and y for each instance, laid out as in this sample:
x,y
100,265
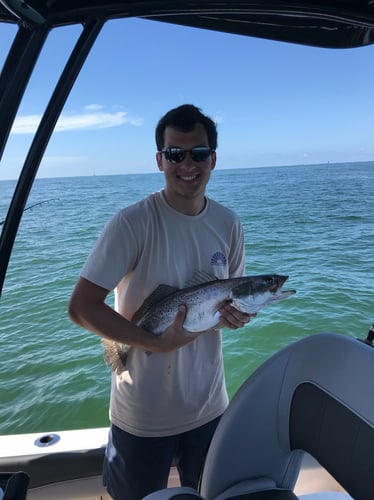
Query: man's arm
x,y
87,308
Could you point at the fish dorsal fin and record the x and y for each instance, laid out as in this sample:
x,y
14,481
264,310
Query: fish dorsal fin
x,y
156,296
200,277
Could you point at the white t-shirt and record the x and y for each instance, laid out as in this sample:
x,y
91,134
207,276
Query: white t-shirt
x,y
141,247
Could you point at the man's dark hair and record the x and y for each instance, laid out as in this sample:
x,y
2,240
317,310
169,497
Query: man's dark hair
x,y
185,118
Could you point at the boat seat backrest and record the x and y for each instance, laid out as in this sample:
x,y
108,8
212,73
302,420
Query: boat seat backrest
x,y
342,441
14,485
314,395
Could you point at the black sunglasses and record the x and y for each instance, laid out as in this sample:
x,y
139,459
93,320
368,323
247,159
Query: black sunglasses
x,y
177,155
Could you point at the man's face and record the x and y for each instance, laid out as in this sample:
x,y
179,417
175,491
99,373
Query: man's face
x,y
186,180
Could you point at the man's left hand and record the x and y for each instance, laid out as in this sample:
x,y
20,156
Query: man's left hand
x,y
233,318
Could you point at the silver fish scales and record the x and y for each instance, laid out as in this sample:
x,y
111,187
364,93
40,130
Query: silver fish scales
x,y
248,294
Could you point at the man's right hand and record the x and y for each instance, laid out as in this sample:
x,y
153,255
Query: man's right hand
x,y
176,335
88,309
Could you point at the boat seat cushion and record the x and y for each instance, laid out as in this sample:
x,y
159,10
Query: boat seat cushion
x,y
329,430
176,493
184,494
273,494
326,495
14,485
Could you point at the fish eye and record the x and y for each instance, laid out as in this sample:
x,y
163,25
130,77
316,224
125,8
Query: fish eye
x,y
269,280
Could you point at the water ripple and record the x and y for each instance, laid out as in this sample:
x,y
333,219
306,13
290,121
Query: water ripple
x,y
315,224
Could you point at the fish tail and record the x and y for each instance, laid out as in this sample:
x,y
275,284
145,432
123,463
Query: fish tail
x,y
115,355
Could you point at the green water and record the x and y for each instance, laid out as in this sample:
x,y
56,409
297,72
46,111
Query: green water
x,y
314,223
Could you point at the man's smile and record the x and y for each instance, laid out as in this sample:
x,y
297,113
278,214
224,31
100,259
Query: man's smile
x,y
188,177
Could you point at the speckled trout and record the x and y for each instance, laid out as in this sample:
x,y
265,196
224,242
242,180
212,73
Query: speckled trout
x,y
248,294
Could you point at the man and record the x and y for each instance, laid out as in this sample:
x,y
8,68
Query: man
x,y
164,405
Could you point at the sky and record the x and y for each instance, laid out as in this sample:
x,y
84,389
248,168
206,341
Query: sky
x,y
274,103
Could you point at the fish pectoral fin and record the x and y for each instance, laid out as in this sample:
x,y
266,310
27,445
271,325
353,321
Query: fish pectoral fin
x,y
217,317
161,292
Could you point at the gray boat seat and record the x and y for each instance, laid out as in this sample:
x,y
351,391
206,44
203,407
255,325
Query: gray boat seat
x,y
277,494
191,494
14,485
315,396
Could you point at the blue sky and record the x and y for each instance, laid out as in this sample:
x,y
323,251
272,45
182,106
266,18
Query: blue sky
x,y
274,103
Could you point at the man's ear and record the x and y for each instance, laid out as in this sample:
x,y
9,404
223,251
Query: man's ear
x,y
159,162
213,159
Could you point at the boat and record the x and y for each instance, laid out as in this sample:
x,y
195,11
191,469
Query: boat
x,y
67,464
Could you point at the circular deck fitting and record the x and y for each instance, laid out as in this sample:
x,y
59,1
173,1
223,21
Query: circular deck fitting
x,y
47,440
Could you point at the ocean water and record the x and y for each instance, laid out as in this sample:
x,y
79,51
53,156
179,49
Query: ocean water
x,y
313,223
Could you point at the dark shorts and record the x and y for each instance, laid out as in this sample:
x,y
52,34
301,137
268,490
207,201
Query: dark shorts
x,y
136,466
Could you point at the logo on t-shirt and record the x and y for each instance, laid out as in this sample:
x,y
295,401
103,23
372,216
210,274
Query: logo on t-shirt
x,y
219,265
218,259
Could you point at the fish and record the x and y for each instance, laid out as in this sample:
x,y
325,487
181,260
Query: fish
x,y
248,294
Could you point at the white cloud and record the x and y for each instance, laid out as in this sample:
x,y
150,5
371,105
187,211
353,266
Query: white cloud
x,y
91,119
26,124
93,107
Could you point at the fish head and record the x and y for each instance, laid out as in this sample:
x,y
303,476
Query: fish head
x,y
260,291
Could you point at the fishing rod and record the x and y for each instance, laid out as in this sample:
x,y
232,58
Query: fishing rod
x,y
32,206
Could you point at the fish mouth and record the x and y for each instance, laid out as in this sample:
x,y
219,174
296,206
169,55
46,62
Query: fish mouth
x,y
283,294
282,280
277,289
278,282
